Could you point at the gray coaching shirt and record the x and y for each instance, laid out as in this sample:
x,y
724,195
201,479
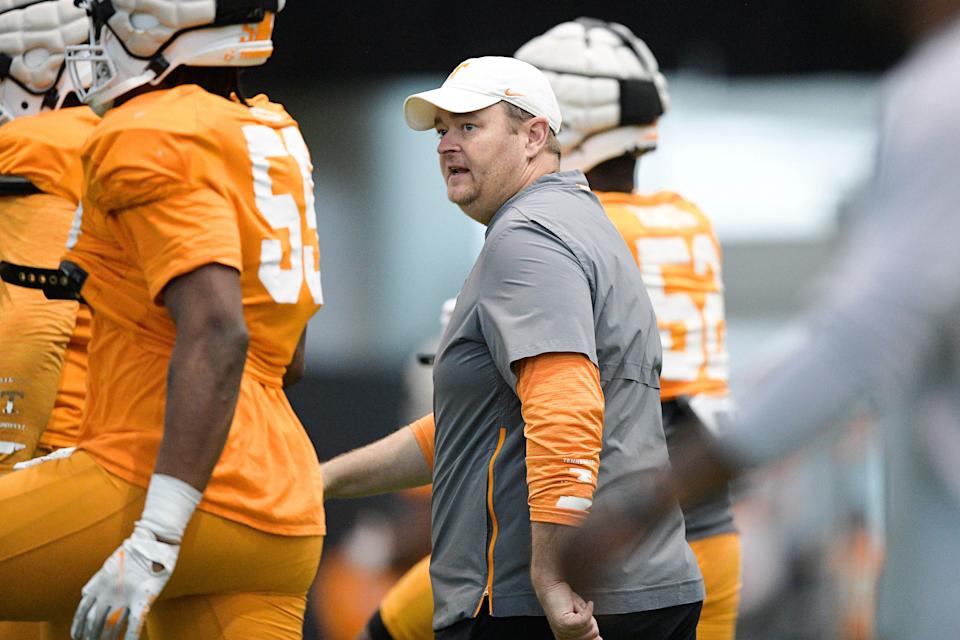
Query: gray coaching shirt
x,y
554,275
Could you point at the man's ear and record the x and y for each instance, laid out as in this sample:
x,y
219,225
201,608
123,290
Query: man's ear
x,y
537,129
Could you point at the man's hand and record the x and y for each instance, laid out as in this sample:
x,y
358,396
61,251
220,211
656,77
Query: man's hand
x,y
569,616
121,593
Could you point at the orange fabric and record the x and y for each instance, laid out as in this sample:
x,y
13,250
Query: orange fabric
x,y
176,179
562,406
719,560
407,610
64,423
61,520
44,148
424,430
21,630
679,256
34,331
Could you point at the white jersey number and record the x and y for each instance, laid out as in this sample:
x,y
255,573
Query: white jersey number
x,y
281,211
699,346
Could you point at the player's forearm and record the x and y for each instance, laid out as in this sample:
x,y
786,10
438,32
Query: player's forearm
x,y
392,463
203,379
203,384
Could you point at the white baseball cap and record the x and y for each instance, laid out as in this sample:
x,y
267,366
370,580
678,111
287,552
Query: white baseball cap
x,y
478,83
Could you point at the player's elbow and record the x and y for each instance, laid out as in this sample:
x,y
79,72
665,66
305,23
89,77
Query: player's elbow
x,y
234,339
223,338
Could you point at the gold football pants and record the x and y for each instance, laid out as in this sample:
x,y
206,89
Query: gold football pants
x,y
63,518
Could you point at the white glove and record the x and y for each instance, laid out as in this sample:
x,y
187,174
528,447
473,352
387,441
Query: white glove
x,y
122,592
53,455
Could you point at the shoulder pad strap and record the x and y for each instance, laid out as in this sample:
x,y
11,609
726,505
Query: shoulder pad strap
x,y
16,186
57,284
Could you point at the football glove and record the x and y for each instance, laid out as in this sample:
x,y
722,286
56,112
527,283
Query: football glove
x,y
120,594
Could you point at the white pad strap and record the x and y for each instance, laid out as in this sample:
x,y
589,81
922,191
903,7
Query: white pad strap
x,y
608,145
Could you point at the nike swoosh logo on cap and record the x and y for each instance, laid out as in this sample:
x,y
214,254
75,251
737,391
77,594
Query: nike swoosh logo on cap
x,y
512,94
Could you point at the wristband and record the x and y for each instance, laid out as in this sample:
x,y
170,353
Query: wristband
x,y
169,506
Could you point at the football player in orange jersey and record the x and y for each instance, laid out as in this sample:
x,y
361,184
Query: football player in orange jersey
x,y
194,494
611,94
43,368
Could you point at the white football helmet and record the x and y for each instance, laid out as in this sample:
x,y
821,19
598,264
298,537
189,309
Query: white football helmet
x,y
33,38
135,42
609,87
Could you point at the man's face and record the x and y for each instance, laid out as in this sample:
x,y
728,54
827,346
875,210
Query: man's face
x,y
482,159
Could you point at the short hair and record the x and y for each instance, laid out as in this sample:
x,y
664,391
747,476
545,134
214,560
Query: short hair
x,y
518,116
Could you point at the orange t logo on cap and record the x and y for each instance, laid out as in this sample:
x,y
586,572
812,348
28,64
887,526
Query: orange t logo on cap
x,y
457,70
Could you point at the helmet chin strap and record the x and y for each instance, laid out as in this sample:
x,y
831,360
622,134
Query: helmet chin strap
x,y
607,145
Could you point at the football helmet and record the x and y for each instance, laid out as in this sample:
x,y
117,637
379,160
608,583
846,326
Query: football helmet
x,y
609,87
33,37
135,42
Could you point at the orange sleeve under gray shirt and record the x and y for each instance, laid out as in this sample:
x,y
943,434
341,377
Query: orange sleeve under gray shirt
x,y
553,277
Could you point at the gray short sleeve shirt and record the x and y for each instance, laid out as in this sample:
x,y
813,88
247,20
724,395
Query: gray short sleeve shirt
x,y
554,275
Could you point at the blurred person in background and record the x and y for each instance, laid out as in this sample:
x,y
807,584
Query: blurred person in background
x,y
886,331
44,342
611,96
197,252
536,384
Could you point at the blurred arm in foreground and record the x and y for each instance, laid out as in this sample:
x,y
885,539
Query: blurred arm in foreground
x,y
887,330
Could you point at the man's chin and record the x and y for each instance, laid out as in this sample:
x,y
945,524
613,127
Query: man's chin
x,y
461,197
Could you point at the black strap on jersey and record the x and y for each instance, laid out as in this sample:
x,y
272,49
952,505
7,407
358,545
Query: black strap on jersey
x,y
57,284
17,186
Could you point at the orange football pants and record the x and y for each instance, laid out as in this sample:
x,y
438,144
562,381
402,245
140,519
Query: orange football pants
x,y
719,560
63,518
407,610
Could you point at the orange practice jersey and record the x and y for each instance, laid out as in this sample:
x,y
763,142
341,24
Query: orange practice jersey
x,y
43,340
177,179
678,254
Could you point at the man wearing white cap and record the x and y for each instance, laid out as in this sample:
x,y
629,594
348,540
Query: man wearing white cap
x,y
546,378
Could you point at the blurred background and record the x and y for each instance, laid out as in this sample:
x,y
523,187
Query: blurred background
x,y
771,132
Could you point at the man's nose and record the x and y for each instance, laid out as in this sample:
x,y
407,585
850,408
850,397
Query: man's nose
x,y
448,143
